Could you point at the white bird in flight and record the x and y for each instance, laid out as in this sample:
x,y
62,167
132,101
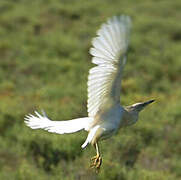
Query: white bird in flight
x,y
105,113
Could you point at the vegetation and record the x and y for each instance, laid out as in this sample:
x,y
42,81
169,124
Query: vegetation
x,y
44,64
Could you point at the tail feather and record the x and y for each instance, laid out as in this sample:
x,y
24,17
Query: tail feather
x,y
59,127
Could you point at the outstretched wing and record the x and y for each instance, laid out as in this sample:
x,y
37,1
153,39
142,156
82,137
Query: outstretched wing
x,y
109,54
59,127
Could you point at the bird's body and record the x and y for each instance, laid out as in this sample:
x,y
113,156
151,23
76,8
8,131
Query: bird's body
x,y
105,112
108,121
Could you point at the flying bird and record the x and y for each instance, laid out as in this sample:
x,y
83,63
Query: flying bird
x,y
106,115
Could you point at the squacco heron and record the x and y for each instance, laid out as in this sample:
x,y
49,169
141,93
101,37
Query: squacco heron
x,y
106,115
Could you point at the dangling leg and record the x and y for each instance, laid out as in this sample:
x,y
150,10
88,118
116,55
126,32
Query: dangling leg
x,y
96,160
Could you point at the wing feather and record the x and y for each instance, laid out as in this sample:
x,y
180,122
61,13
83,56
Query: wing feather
x,y
59,127
109,54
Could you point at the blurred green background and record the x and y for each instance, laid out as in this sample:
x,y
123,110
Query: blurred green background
x,y
44,63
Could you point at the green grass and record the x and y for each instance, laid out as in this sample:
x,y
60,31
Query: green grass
x,y
44,63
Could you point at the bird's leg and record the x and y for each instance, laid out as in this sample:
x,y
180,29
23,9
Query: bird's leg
x,y
96,160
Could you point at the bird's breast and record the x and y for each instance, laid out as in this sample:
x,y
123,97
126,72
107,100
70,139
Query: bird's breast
x,y
109,120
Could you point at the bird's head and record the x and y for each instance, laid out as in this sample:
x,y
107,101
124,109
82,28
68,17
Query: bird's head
x,y
139,106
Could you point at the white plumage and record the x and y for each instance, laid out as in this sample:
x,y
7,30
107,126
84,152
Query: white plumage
x,y
105,114
109,48
59,127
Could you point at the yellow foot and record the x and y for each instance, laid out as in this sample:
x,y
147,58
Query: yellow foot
x,y
96,162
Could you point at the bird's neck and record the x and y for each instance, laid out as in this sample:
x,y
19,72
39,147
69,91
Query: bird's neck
x,y
129,117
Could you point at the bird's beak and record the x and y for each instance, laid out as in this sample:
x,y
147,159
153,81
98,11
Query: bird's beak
x,y
148,102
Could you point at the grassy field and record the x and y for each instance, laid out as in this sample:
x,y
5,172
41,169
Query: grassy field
x,y
44,63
